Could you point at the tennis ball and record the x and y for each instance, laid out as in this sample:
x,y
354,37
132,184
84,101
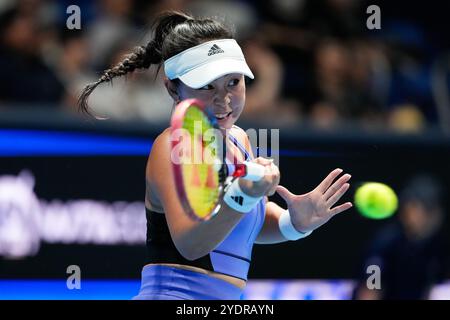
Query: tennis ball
x,y
376,200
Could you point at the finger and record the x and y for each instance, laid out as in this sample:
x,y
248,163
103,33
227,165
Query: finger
x,y
268,170
274,166
285,194
335,197
336,186
263,161
271,169
274,169
274,179
326,183
277,176
341,208
273,189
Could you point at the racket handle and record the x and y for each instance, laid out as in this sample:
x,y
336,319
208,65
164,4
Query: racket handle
x,y
247,170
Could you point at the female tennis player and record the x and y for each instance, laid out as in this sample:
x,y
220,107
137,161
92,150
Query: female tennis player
x,y
190,259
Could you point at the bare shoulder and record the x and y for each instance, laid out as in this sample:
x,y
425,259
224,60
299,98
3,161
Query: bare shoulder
x,y
160,151
162,141
163,137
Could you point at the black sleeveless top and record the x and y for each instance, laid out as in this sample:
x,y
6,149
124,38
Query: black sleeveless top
x,y
160,246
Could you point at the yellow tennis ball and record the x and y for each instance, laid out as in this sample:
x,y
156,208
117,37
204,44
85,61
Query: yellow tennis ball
x,y
376,200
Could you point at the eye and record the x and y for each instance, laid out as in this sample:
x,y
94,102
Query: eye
x,y
207,87
234,82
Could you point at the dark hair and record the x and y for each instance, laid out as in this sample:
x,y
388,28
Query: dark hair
x,y
7,17
174,32
425,189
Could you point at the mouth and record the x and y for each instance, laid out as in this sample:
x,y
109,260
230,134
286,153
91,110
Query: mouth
x,y
222,116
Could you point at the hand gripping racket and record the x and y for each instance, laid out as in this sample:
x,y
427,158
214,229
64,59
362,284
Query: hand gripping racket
x,y
200,174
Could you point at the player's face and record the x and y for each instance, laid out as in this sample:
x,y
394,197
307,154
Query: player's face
x,y
225,96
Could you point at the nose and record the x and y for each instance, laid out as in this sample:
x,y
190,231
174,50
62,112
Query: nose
x,y
222,100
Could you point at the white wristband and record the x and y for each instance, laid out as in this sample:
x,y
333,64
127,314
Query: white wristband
x,y
236,199
288,230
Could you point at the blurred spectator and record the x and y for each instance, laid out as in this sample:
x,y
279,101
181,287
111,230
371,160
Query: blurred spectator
x,y
441,89
336,18
25,77
340,89
410,252
237,14
406,118
314,60
264,102
113,25
73,65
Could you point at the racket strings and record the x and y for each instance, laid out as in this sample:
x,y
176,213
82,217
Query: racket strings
x,y
201,180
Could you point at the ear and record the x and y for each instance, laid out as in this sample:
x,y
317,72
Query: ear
x,y
172,89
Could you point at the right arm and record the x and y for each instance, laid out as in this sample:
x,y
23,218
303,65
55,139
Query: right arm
x,y
193,239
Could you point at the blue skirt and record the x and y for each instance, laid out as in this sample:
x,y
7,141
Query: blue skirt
x,y
169,283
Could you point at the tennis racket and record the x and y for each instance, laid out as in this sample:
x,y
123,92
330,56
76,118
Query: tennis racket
x,y
201,175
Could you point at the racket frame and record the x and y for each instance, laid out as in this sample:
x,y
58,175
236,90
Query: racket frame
x,y
177,123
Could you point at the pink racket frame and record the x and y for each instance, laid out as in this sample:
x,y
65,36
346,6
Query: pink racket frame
x,y
176,123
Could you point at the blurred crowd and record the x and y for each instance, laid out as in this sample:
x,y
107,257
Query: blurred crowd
x,y
316,63
411,250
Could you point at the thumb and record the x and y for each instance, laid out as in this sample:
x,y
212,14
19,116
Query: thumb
x,y
285,194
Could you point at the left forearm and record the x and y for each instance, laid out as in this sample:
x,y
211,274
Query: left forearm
x,y
270,232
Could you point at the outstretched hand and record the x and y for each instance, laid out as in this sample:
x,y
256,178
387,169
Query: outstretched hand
x,y
311,210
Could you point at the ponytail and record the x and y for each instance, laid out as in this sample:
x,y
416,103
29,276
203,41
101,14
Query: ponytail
x,y
174,32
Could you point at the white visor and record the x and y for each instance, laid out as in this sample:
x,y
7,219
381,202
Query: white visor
x,y
202,64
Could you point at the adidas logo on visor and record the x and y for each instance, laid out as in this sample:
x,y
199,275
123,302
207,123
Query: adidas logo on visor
x,y
215,49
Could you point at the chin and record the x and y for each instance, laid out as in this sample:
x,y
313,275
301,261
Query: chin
x,y
226,126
